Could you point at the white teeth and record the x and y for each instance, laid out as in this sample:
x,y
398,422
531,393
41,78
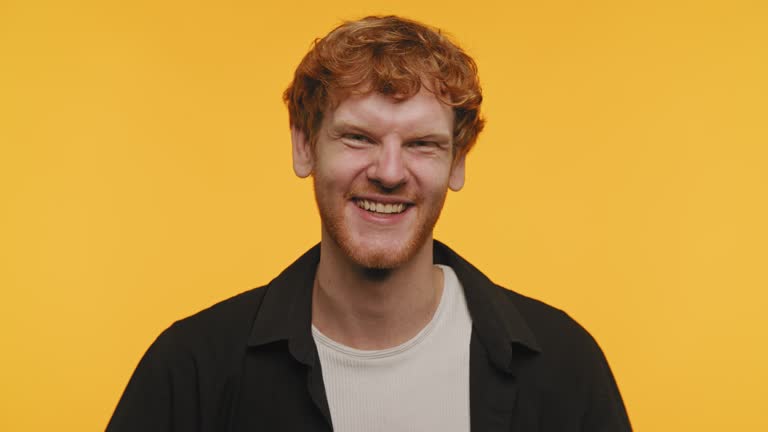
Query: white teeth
x,y
380,207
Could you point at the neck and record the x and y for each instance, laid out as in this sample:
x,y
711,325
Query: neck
x,y
370,308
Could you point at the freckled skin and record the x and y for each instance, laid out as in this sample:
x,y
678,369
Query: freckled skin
x,y
374,146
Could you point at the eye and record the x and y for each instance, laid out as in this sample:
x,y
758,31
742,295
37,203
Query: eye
x,y
359,138
423,145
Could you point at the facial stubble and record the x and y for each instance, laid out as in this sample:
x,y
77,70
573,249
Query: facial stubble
x,y
332,217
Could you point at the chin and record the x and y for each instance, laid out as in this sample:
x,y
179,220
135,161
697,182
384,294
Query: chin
x,y
370,255
379,260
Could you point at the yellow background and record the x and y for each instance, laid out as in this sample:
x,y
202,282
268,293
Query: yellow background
x,y
145,174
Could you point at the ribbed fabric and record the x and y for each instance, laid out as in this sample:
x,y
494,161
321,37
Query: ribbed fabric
x,y
420,385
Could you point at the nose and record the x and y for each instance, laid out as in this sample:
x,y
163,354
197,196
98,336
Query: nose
x,y
388,167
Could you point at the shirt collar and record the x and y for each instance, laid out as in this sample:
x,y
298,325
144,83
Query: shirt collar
x,y
501,327
286,311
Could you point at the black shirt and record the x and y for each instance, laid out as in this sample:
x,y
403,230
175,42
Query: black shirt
x,y
250,363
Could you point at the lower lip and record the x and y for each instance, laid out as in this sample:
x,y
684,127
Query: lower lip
x,y
382,218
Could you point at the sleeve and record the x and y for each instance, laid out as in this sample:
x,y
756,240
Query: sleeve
x,y
161,396
605,410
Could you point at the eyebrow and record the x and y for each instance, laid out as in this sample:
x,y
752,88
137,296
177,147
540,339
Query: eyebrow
x,y
344,126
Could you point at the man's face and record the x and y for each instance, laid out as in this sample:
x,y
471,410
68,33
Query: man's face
x,y
381,171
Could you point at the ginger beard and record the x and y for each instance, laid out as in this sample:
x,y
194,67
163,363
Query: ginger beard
x,y
376,248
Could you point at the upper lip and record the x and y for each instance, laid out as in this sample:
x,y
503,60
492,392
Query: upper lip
x,y
383,199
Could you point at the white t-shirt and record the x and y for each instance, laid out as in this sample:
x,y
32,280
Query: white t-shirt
x,y
420,385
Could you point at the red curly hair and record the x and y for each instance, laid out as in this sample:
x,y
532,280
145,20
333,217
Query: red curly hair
x,y
393,56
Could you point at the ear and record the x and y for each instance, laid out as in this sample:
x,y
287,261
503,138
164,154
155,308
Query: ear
x,y
456,179
303,160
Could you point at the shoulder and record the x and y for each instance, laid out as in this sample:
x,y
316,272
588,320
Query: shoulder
x,y
191,367
556,332
219,329
571,370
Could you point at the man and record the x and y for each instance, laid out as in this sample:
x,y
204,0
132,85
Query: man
x,y
379,327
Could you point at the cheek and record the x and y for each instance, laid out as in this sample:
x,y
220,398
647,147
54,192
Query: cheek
x,y
343,168
430,173
335,183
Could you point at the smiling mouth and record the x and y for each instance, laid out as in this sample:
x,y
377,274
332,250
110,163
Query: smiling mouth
x,y
381,208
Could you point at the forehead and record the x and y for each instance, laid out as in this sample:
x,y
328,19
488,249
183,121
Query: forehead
x,y
422,113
